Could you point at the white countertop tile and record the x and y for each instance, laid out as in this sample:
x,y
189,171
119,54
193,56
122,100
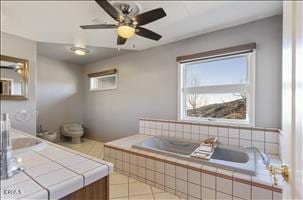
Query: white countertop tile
x,y
27,164
43,194
56,169
55,177
66,187
28,156
84,166
69,160
54,152
21,190
43,169
14,180
95,174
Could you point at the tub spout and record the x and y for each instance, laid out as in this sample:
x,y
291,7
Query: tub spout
x,y
265,158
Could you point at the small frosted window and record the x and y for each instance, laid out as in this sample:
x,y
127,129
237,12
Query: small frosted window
x,y
108,82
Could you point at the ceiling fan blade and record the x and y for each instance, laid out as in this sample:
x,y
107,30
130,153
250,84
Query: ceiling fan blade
x,y
150,16
148,33
110,10
99,26
121,40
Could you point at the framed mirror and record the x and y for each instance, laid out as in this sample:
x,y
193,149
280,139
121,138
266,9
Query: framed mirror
x,y
13,78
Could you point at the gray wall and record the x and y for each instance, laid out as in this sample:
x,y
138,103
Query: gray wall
x,y
59,90
27,49
147,83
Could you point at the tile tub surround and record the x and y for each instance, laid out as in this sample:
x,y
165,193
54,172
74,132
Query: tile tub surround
x,y
265,139
53,173
127,188
186,179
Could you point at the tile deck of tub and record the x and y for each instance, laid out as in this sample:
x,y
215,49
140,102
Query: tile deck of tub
x,y
121,187
162,172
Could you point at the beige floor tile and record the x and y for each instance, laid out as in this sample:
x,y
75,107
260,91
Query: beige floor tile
x,y
126,198
118,179
165,196
139,189
96,150
132,180
88,146
157,190
118,191
142,197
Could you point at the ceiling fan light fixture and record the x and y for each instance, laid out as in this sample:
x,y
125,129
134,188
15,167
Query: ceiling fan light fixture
x,y
126,31
79,51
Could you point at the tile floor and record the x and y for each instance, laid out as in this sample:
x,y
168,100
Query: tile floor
x,y
121,187
88,146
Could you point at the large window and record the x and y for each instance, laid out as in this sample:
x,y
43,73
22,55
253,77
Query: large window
x,y
218,88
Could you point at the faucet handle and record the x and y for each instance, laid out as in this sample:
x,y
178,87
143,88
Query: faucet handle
x,y
283,170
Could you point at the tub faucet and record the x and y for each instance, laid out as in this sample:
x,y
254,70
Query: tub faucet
x,y
9,164
265,158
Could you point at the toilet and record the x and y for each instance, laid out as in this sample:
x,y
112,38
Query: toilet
x,y
74,131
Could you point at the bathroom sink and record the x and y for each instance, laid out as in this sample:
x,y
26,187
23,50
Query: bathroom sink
x,y
27,144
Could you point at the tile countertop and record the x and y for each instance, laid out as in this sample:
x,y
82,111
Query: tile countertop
x,y
52,172
262,176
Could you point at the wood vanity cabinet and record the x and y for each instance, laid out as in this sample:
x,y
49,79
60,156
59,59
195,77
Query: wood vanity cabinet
x,y
98,190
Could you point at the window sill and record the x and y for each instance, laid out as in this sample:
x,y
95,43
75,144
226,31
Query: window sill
x,y
217,122
94,90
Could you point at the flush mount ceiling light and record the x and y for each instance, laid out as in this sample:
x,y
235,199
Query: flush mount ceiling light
x,y
79,51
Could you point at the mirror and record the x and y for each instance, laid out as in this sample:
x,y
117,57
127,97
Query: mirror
x,y
14,78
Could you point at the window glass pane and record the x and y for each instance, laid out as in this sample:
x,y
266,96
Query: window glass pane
x,y
107,82
93,83
223,71
220,106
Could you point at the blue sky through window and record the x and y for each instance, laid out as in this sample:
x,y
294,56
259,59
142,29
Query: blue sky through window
x,y
217,72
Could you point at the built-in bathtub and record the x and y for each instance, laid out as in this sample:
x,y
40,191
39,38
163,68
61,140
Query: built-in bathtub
x,y
227,157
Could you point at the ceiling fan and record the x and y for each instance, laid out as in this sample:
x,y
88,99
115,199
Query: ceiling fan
x,y
129,25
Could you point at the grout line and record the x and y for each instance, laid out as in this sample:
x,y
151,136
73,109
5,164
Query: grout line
x,y
65,167
153,193
48,193
128,193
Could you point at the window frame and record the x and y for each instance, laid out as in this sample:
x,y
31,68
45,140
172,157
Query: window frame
x,y
250,89
103,77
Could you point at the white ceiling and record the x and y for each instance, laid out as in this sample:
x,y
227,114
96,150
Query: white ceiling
x,y
59,21
63,52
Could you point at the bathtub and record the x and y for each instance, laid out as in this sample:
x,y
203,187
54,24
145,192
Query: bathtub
x,y
227,157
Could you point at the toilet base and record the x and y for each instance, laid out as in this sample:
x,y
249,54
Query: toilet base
x,y
76,140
